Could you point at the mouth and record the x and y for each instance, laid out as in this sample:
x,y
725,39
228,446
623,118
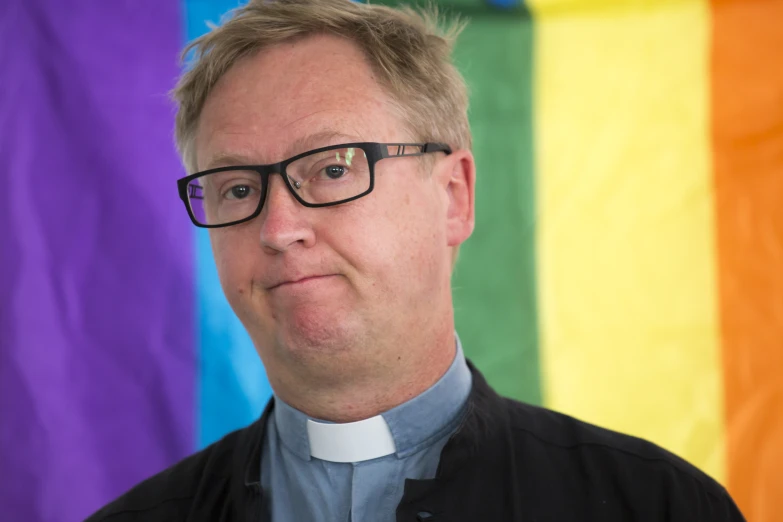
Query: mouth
x,y
300,282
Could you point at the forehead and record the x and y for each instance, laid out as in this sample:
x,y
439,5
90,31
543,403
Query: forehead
x,y
291,97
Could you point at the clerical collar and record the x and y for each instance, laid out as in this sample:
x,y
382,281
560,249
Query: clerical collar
x,y
403,430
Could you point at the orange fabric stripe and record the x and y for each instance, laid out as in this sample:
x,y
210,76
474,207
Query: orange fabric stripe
x,y
747,107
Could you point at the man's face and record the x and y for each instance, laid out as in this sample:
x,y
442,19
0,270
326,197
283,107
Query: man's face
x,y
337,288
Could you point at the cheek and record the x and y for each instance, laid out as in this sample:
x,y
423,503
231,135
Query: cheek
x,y
234,260
404,239
424,231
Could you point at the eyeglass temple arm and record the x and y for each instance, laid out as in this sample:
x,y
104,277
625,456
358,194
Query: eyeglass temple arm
x,y
394,150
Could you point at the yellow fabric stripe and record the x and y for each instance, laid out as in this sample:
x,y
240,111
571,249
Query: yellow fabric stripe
x,y
626,254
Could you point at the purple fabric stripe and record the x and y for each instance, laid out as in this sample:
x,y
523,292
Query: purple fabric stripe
x,y
96,300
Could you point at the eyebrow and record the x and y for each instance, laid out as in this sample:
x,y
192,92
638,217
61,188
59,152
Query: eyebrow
x,y
225,159
319,139
311,141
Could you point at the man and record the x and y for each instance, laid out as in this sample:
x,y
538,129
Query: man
x,y
330,157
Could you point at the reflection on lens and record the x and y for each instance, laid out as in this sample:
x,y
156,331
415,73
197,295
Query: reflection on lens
x,y
330,176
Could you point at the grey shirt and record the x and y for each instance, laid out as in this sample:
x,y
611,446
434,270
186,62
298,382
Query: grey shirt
x,y
301,487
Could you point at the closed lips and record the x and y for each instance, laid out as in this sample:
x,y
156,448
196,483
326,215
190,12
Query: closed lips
x,y
299,280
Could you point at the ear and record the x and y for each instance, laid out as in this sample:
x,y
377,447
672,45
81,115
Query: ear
x,y
458,179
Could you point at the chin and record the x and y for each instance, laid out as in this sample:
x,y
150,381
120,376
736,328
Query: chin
x,y
318,337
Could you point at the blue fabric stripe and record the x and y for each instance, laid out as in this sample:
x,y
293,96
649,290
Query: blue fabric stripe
x,y
232,384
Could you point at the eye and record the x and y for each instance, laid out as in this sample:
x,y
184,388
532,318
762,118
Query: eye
x,y
238,192
335,171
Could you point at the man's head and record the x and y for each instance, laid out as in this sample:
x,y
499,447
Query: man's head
x,y
281,78
407,52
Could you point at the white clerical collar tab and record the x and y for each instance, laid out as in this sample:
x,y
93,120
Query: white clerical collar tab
x,y
350,442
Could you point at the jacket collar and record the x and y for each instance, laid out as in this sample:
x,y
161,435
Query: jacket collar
x,y
476,441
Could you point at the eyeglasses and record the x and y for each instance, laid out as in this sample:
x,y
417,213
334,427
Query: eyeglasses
x,y
318,178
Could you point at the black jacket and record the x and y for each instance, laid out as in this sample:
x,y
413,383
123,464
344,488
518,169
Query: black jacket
x,y
508,461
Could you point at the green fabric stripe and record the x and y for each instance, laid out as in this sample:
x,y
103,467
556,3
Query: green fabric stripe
x,y
494,284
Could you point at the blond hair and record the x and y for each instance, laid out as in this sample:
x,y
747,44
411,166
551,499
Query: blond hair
x,y
407,49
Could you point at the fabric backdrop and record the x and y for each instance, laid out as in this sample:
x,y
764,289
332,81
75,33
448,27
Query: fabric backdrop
x,y
627,264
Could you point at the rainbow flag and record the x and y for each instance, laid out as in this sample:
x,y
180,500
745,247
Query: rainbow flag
x,y
627,265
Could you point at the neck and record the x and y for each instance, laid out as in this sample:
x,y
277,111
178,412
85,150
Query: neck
x,y
351,392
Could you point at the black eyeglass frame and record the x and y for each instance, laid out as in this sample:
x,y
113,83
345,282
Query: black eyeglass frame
x,y
375,152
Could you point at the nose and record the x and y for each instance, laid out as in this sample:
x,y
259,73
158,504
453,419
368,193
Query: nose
x,y
284,222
